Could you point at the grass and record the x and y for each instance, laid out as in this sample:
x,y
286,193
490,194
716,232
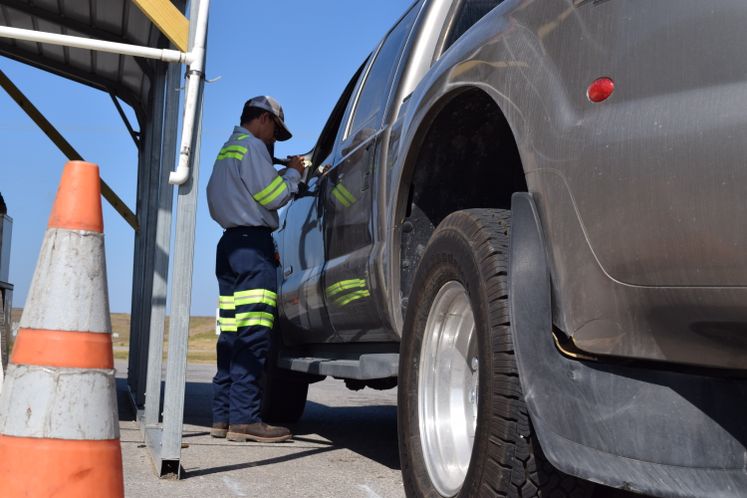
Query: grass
x,y
201,345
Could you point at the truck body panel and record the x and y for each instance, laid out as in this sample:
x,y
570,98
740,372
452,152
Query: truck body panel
x,y
636,201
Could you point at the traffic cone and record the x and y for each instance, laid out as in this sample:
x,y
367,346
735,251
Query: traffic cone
x,y
59,430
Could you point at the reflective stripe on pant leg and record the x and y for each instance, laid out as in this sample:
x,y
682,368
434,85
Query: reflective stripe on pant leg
x,y
250,349
255,299
224,346
227,312
255,316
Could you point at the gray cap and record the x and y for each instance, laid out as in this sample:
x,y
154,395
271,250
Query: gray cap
x,y
273,107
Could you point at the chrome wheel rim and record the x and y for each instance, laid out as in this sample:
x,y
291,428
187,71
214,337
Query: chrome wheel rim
x,y
448,388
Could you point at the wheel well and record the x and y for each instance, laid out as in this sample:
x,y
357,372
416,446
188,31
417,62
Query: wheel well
x,y
466,158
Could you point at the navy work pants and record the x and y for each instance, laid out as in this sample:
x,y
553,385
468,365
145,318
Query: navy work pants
x,y
247,279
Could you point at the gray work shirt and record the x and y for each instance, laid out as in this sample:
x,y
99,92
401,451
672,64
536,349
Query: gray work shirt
x,y
244,189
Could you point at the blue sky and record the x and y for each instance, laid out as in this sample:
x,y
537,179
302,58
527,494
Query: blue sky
x,y
302,53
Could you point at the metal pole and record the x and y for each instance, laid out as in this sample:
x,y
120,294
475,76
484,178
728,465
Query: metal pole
x,y
93,44
181,289
138,265
153,164
163,240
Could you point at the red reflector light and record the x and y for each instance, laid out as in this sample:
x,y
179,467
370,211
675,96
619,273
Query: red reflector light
x,y
600,89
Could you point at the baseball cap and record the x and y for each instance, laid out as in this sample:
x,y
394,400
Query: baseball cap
x,y
272,106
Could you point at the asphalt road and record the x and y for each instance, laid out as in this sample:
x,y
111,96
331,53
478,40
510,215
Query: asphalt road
x,y
344,446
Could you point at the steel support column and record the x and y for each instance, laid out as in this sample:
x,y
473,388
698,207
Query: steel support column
x,y
163,241
165,442
149,190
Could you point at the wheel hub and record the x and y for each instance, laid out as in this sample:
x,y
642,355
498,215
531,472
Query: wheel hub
x,y
448,388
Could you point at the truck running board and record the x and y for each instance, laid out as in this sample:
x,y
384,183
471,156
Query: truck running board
x,y
367,366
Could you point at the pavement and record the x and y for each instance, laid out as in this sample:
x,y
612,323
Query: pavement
x,y
345,445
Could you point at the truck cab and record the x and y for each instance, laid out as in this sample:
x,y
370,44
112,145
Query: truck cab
x,y
517,214
330,292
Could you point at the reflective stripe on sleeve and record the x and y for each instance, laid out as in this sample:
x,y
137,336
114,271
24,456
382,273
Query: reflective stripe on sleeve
x,y
232,151
271,192
230,155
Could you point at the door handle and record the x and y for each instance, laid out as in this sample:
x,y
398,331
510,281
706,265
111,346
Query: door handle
x,y
287,270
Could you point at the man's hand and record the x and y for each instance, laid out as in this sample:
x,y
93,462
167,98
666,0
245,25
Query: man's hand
x,y
296,162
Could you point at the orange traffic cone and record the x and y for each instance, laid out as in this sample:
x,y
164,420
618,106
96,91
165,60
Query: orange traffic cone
x,y
59,432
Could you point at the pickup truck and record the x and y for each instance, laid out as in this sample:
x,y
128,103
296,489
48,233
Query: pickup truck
x,y
525,215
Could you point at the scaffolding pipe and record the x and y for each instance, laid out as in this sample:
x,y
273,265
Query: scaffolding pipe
x,y
194,78
162,54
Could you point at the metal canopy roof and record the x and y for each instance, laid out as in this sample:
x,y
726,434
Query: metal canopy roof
x,y
42,33
111,20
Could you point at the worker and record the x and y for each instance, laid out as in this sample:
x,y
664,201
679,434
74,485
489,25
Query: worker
x,y
244,194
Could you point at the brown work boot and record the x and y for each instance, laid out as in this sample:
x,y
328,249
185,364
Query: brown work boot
x,y
219,429
258,431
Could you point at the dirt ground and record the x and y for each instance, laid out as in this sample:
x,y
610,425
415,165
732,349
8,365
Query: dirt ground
x,y
201,336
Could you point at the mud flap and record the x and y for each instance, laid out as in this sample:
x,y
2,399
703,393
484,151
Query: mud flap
x,y
644,429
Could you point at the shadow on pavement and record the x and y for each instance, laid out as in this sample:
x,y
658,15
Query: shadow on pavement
x,y
240,466
370,431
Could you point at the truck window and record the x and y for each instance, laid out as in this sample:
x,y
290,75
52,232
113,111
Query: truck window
x,y
370,106
325,144
468,13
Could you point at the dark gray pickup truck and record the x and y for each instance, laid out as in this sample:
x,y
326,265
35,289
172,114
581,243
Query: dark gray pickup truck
x,y
526,215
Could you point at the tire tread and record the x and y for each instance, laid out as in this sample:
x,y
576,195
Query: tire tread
x,y
512,464
513,446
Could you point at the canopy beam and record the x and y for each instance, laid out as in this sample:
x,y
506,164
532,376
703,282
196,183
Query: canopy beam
x,y
64,146
134,134
168,19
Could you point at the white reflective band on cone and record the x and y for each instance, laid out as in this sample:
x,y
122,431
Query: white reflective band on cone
x,y
68,291
59,403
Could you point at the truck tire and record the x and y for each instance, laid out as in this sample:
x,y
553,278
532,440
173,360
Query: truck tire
x,y
463,426
283,397
283,391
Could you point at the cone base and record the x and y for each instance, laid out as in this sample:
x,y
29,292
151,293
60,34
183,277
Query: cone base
x,y
60,468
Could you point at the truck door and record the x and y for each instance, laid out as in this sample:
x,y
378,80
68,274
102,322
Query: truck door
x,y
302,314
353,310
301,305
